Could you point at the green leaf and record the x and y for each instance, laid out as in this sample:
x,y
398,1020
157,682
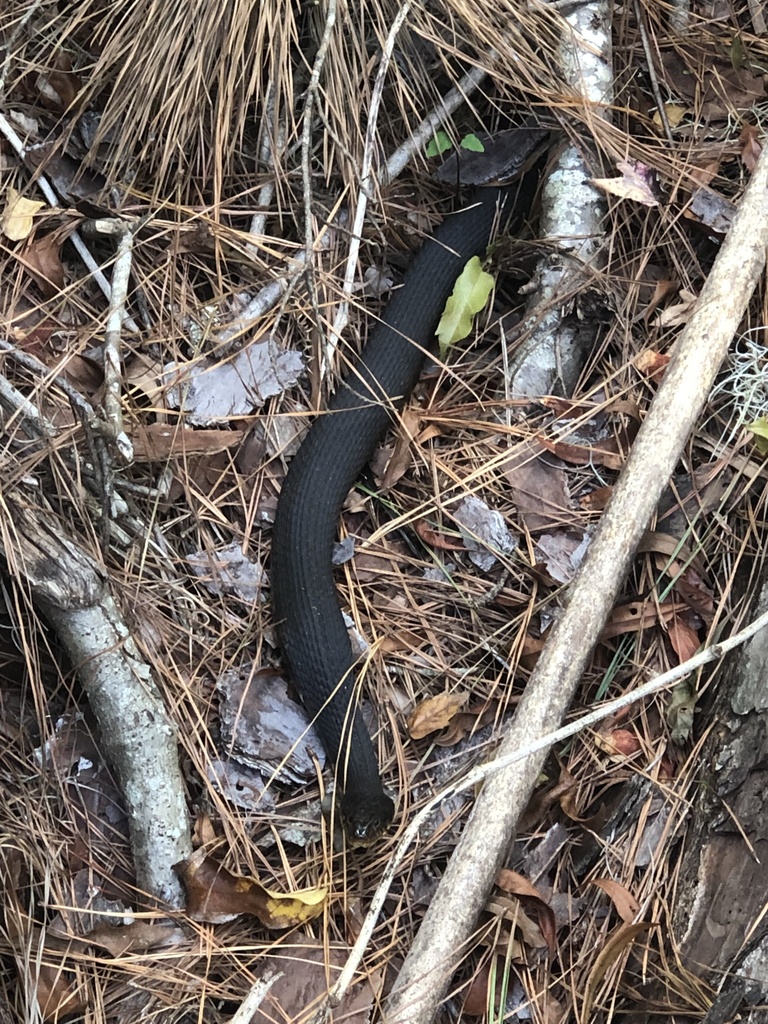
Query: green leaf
x,y
469,296
439,144
472,143
760,429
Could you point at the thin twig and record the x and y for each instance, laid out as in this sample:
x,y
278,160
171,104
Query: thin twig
x,y
306,161
267,153
366,183
452,912
15,35
652,73
121,274
477,775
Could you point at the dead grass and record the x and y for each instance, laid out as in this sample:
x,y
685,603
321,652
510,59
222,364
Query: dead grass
x,y
187,106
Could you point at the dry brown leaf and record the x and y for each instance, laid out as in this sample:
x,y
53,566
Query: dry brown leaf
x,y
139,935
473,718
684,638
696,594
43,261
637,182
679,314
651,363
435,539
608,453
215,895
629,618
435,713
625,903
617,742
158,442
750,146
596,500
530,898
516,884
307,967
477,995
621,939
56,993
540,492
400,461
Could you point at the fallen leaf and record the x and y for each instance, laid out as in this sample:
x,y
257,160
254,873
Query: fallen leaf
x,y
711,209
139,935
158,442
608,453
484,531
562,552
435,713
637,182
750,146
470,294
17,218
596,500
759,428
651,363
617,742
516,884
435,539
621,939
57,89
693,590
229,571
683,637
214,895
540,493
674,114
262,728
625,903
43,261
307,967
636,615
397,467
680,313
681,708
57,996
209,391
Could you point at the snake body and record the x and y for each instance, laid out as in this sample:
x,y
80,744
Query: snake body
x,y
309,622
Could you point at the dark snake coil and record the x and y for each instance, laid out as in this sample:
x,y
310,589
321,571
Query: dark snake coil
x,y
306,610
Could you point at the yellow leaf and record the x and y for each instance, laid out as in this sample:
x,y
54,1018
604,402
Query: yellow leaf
x,y
16,221
283,910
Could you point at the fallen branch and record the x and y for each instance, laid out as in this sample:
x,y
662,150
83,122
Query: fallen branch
x,y
461,895
483,771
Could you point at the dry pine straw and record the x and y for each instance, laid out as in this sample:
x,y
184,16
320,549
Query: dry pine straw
x,y
440,627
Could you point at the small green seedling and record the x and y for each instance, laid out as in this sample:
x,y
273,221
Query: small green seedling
x,y
440,144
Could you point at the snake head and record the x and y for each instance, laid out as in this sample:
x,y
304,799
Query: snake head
x,y
365,818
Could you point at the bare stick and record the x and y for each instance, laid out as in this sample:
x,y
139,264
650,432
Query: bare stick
x,y
366,183
137,735
612,707
121,273
306,157
452,913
